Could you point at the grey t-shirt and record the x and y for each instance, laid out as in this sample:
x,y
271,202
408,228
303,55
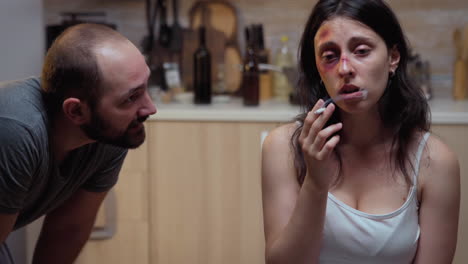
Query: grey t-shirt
x,y
31,183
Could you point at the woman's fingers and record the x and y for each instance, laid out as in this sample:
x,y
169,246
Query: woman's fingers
x,y
319,141
320,121
324,136
328,148
309,120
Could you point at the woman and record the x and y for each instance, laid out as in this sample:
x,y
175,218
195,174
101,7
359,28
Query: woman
x,y
361,182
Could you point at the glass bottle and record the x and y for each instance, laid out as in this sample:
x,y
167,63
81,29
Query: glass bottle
x,y
263,55
202,71
250,73
284,59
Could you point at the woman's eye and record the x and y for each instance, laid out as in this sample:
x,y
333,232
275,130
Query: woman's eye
x,y
328,56
362,51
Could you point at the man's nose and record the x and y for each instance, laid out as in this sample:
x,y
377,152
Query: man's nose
x,y
148,107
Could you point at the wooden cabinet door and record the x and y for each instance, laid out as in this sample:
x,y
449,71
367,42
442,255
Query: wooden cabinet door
x,y
128,215
206,193
456,137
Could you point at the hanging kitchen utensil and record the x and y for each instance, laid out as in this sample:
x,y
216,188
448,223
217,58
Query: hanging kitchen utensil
x,y
73,18
147,43
175,44
164,29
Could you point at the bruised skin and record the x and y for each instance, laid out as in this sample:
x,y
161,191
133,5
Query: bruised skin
x,y
349,53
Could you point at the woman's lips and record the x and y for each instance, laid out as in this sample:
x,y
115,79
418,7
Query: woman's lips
x,y
348,89
358,95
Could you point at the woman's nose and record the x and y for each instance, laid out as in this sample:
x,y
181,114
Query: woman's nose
x,y
345,67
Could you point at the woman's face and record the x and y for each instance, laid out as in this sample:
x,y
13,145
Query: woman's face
x,y
351,57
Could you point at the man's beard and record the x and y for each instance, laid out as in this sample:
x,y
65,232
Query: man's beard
x,y
100,130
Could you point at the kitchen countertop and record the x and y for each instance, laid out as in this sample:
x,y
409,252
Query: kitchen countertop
x,y
443,111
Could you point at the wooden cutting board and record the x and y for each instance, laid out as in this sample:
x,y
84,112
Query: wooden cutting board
x,y
215,43
220,17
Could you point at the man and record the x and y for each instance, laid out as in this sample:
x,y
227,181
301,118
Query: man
x,y
64,137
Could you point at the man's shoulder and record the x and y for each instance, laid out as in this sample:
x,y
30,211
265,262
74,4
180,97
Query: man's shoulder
x,y
20,91
14,85
21,100
15,132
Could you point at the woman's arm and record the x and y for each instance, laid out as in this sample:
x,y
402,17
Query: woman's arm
x,y
293,214
440,204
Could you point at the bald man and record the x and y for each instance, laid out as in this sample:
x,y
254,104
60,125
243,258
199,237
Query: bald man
x,y
65,136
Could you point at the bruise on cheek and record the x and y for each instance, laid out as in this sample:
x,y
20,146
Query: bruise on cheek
x,y
325,67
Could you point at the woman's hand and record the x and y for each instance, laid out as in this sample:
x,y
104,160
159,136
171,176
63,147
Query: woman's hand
x,y
318,144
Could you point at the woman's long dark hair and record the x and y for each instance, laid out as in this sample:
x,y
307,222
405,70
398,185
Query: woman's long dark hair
x,y
402,108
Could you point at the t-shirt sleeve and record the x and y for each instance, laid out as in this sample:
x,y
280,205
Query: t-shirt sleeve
x,y
19,160
107,174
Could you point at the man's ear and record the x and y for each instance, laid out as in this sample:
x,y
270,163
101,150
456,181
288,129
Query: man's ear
x,y
75,110
394,58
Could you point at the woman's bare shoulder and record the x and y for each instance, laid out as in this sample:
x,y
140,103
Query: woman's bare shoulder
x,y
277,152
280,137
439,162
439,153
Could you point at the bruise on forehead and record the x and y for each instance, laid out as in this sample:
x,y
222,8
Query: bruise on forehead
x,y
323,34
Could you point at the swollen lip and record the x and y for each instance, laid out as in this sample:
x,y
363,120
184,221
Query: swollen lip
x,y
353,95
361,94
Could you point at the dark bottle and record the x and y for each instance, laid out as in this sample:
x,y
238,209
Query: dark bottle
x,y
202,71
250,72
262,53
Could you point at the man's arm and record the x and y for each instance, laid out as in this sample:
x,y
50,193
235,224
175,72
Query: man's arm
x,y
67,228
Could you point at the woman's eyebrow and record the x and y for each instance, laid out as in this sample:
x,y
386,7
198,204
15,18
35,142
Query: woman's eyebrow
x,y
359,39
325,45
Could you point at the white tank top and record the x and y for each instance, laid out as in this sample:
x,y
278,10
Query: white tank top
x,y
352,236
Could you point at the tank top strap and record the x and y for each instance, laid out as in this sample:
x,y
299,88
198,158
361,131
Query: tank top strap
x,y
422,143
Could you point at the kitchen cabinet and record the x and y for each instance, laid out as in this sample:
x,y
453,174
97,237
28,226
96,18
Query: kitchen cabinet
x,y
129,242
205,192
192,194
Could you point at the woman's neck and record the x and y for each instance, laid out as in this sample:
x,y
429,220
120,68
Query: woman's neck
x,y
364,130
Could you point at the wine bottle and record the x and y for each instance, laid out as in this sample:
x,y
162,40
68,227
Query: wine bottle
x,y
202,71
250,72
263,57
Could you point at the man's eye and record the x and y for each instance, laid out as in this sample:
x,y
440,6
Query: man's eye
x,y
132,98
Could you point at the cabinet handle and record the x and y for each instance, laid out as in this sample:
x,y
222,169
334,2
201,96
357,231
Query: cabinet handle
x,y
108,230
